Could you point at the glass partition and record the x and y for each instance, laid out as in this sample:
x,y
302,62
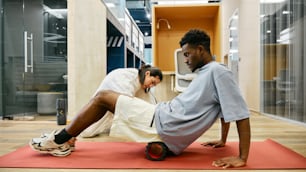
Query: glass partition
x,y
33,60
283,54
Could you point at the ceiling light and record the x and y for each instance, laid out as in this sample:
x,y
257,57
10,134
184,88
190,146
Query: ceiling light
x,y
286,12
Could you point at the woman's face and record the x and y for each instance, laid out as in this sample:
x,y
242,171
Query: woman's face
x,y
150,81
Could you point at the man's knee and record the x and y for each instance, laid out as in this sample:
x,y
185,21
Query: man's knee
x,y
106,98
104,93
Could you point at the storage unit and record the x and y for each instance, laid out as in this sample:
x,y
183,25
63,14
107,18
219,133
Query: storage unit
x,y
170,23
134,43
124,43
115,48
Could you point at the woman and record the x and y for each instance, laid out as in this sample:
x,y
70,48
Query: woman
x,y
129,81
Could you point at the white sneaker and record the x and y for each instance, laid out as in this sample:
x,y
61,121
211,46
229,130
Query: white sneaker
x,y
46,144
71,142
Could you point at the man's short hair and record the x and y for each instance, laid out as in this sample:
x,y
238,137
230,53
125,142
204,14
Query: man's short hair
x,y
195,37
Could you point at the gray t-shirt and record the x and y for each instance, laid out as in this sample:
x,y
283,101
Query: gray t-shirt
x,y
212,94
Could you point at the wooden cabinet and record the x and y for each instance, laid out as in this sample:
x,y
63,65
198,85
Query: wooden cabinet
x,y
170,23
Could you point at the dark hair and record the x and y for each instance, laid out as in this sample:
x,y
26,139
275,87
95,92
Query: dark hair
x,y
195,37
154,71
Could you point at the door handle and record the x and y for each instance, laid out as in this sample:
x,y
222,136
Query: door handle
x,y
26,39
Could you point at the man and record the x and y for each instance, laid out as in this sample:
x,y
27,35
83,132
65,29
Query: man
x,y
172,125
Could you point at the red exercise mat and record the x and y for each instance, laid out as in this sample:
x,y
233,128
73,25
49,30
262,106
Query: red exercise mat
x,y
130,155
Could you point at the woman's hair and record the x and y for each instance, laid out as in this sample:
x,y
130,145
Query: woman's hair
x,y
196,37
154,71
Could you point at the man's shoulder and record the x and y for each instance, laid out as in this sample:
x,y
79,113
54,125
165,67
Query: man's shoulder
x,y
216,66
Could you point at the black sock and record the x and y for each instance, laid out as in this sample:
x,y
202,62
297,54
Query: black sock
x,y
62,137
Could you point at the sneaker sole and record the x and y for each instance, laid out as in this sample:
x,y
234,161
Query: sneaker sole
x,y
53,152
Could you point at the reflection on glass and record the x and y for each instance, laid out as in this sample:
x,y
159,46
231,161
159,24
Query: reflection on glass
x,y
283,72
233,54
55,31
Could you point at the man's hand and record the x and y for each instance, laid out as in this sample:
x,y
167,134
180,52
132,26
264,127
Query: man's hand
x,y
229,162
214,144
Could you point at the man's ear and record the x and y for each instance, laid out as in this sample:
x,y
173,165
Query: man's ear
x,y
201,48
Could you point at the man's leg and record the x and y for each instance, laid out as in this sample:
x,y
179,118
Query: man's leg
x,y
104,101
56,142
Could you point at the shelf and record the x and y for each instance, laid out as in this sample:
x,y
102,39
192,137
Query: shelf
x,y
123,43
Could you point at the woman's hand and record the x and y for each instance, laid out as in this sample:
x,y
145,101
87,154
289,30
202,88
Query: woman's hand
x,y
214,144
229,162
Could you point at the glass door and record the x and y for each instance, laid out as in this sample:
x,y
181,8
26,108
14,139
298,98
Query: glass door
x,y
34,54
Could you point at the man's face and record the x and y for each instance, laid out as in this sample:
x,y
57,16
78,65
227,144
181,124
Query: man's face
x,y
193,56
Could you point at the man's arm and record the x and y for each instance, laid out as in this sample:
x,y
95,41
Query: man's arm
x,y
224,132
244,132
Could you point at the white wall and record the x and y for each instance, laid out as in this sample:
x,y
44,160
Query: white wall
x,y
86,51
249,46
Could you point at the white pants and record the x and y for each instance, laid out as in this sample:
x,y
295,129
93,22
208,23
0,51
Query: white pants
x,y
104,124
132,120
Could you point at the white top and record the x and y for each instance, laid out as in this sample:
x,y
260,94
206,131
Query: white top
x,y
124,81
